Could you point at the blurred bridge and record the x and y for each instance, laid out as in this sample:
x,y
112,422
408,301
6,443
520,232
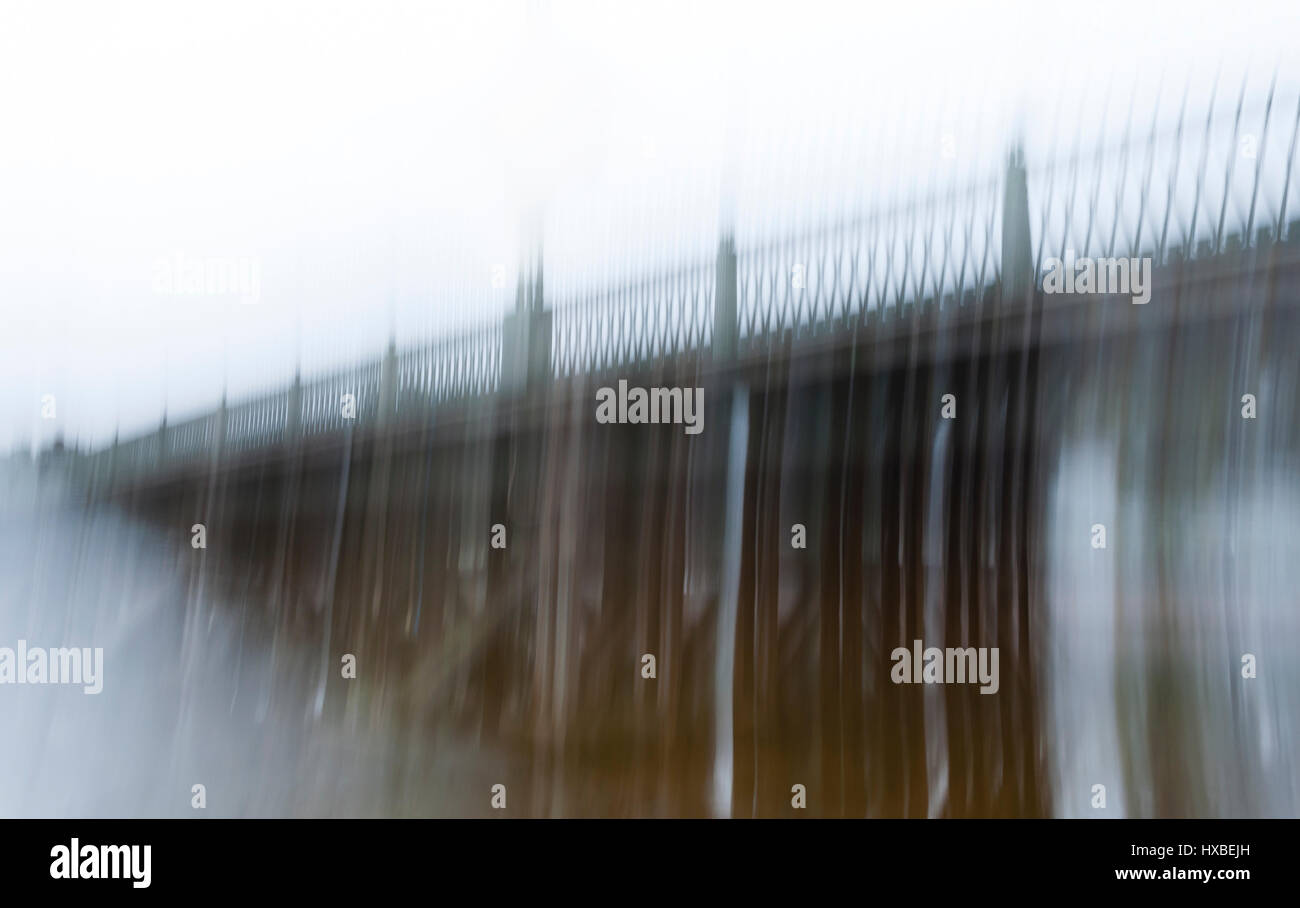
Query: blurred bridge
x,y
823,358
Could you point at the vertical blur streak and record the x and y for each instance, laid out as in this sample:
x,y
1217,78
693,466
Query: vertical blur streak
x,y
723,755
1146,640
636,620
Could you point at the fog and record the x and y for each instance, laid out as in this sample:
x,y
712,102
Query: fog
x,y
198,201
380,164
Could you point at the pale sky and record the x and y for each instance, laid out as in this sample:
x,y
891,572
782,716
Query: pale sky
x,y
377,160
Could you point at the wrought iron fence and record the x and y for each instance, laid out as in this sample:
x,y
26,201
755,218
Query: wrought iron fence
x,y
662,316
1170,191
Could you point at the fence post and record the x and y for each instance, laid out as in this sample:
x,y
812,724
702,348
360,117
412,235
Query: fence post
x,y
219,433
726,327
162,441
388,386
110,476
526,338
1017,247
293,414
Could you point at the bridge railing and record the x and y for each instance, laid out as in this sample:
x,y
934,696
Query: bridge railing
x,y
1180,190
641,322
922,248
462,365
1190,189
